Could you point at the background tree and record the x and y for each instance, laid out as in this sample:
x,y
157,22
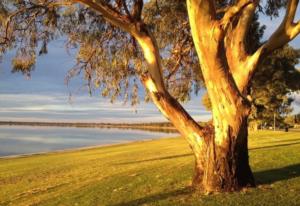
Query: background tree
x,y
272,88
273,85
297,118
289,120
107,33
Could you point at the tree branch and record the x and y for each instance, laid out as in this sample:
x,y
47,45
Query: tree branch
x,y
246,16
297,27
171,109
137,10
138,30
153,80
244,22
109,14
203,22
235,42
124,4
233,11
10,17
168,106
203,10
286,31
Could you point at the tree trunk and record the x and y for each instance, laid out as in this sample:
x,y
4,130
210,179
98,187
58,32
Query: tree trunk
x,y
254,125
220,149
222,163
225,167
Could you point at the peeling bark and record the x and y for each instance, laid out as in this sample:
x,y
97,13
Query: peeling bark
x,y
227,68
224,167
222,164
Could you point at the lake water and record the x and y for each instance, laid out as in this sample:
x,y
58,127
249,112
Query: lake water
x,y
16,140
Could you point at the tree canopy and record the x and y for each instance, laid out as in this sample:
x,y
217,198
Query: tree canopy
x,y
273,85
107,57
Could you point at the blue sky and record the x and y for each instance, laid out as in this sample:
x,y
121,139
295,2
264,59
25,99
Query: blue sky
x,y
45,97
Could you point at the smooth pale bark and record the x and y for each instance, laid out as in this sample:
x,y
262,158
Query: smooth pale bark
x,y
227,69
220,152
224,165
168,106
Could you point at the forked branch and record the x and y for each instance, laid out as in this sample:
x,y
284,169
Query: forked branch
x,y
153,79
170,108
108,13
286,31
235,25
203,10
234,10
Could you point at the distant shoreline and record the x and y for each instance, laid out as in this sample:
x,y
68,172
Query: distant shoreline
x,y
155,126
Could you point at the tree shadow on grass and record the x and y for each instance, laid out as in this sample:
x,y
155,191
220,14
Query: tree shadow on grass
x,y
157,197
277,174
274,146
293,142
286,141
155,159
263,177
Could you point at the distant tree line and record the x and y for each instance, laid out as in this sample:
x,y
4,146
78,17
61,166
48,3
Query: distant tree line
x,y
165,127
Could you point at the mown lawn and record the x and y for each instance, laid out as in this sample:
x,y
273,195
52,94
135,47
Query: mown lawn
x,y
156,172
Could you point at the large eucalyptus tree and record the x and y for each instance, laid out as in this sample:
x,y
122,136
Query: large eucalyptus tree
x,y
107,33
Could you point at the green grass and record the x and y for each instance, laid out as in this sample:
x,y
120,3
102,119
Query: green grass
x,y
156,172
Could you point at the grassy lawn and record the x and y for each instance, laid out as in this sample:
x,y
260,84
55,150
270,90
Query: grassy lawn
x,y
157,172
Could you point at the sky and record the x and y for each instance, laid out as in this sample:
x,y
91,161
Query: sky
x,y
45,97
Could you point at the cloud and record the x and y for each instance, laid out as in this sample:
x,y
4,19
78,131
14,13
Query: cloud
x,y
296,102
34,107
45,96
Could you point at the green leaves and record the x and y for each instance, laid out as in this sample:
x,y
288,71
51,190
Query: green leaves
x,y
24,61
107,58
275,80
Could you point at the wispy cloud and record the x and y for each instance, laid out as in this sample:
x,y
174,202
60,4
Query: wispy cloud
x,y
45,96
27,107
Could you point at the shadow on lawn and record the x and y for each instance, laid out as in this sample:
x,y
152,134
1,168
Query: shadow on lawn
x,y
293,142
277,174
274,146
156,159
157,197
263,177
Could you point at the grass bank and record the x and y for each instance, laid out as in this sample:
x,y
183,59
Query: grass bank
x,y
156,172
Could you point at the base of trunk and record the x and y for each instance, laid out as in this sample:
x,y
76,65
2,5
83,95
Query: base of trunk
x,y
224,168
222,178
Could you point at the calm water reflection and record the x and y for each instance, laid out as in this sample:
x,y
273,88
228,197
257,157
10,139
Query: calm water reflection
x,y
15,140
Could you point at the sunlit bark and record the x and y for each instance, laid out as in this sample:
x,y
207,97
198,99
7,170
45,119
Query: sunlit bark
x,y
169,107
227,69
